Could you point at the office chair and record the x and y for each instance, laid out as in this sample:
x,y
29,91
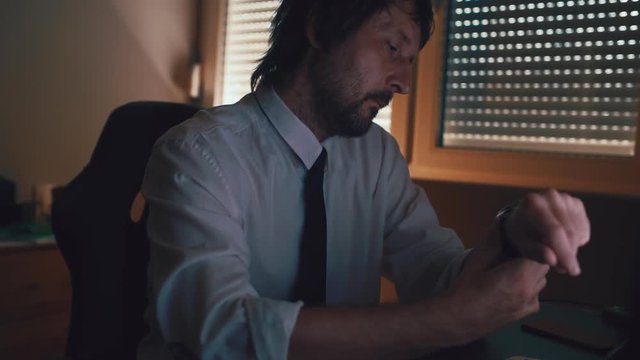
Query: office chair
x,y
106,252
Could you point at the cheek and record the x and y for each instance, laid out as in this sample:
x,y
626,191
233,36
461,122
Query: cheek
x,y
357,73
373,69
365,74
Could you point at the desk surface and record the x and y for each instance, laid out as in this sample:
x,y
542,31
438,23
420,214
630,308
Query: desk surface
x,y
513,341
26,236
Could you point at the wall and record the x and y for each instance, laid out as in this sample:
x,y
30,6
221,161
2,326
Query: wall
x,y
66,64
610,262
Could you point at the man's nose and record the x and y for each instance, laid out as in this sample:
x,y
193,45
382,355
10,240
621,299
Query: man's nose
x,y
400,78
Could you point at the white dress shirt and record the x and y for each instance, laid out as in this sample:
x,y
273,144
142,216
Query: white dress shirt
x,y
225,191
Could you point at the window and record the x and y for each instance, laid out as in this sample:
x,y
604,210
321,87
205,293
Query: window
x,y
450,136
246,36
246,39
542,76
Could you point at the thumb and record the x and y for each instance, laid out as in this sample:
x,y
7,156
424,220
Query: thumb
x,y
520,269
511,268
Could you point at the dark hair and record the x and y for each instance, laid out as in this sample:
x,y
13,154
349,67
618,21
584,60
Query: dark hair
x,y
333,21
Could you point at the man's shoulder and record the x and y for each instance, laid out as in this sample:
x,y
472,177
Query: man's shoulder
x,y
215,124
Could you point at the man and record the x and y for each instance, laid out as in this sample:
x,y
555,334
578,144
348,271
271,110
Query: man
x,y
227,217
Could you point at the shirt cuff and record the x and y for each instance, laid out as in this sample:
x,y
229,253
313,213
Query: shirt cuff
x,y
271,323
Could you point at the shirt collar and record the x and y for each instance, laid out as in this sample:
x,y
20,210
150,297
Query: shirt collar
x,y
294,132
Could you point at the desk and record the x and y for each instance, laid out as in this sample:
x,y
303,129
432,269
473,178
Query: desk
x,y
26,234
513,341
35,301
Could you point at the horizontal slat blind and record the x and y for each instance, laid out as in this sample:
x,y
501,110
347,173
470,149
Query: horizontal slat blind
x,y
552,76
246,41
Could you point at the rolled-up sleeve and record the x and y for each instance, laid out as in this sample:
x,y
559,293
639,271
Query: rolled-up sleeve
x,y
202,300
421,257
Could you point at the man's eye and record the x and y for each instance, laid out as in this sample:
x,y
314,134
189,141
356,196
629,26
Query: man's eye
x,y
393,48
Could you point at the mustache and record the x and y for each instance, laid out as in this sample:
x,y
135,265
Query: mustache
x,y
383,97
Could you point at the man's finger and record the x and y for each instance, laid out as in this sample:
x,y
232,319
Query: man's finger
x,y
542,282
557,202
522,270
553,234
581,221
560,205
538,251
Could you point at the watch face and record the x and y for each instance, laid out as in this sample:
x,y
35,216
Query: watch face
x,y
505,211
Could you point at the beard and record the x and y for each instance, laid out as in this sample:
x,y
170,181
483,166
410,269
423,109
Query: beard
x,y
340,108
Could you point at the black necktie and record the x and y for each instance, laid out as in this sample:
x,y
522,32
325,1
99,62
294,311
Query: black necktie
x,y
312,271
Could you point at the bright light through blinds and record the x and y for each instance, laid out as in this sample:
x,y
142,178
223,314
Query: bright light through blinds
x,y
552,76
246,40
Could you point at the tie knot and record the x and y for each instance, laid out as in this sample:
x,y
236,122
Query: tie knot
x,y
318,165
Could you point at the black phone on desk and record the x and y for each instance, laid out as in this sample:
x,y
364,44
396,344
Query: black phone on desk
x,y
598,340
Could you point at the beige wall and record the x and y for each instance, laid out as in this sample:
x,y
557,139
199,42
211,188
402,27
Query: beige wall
x,y
65,64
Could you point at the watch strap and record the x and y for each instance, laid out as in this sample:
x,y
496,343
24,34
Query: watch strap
x,y
505,240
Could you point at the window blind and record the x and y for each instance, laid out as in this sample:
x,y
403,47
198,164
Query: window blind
x,y
550,76
246,41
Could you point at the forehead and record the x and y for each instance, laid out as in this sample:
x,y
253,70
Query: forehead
x,y
398,20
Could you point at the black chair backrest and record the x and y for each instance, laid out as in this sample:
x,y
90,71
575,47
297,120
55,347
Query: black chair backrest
x,y
106,252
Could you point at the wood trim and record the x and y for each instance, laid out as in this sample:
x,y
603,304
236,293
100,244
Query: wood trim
x,y
402,115
401,123
27,247
211,48
526,169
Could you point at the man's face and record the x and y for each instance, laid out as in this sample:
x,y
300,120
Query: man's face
x,y
354,79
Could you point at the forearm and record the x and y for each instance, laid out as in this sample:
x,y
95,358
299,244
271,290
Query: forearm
x,y
384,332
491,292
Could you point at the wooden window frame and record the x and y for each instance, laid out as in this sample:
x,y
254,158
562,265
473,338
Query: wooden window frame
x,y
416,123
212,49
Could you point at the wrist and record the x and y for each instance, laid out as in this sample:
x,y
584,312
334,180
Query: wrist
x,y
449,323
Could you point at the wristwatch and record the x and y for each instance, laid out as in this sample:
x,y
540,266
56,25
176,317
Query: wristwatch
x,y
501,219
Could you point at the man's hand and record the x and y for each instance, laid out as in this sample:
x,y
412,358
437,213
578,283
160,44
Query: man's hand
x,y
549,228
493,290
490,294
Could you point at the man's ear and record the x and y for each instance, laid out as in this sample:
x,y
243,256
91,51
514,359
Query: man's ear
x,y
310,31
